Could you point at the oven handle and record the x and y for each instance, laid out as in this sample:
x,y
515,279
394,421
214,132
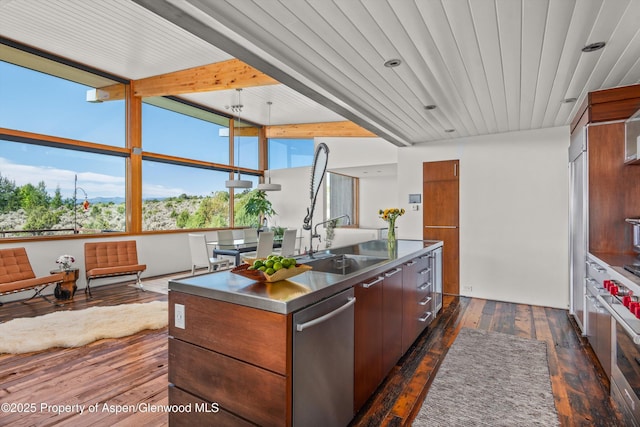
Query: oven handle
x,y
619,319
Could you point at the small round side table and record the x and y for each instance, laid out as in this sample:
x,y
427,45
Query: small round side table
x,y
67,289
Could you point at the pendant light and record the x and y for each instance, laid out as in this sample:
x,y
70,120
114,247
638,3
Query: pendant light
x,y
268,186
237,183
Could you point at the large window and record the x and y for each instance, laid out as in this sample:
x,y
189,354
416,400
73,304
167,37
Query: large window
x,y
246,146
182,197
37,102
190,192
177,129
52,191
66,163
62,159
341,199
290,153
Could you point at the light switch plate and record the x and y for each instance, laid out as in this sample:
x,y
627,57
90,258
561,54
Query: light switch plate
x,y
179,321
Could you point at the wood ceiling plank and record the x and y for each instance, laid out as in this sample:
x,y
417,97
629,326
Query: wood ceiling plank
x,y
582,22
558,19
533,31
312,130
230,74
510,29
584,77
437,20
622,54
463,30
486,26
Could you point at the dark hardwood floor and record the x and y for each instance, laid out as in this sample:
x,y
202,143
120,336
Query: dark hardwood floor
x,y
133,370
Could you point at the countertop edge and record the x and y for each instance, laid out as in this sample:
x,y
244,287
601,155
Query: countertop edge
x,y
335,284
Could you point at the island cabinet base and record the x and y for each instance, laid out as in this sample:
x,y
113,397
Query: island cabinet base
x,y
191,411
235,359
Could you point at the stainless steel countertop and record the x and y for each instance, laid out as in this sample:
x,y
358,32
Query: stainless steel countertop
x,y
287,296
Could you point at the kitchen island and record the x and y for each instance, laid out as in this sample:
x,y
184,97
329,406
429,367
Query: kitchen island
x,y
237,353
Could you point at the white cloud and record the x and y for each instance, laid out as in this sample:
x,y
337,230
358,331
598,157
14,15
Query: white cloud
x,y
95,184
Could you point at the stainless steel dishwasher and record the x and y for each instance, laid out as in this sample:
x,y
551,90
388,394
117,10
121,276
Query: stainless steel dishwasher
x,y
323,362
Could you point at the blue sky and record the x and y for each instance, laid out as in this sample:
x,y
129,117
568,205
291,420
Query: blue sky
x,y
35,102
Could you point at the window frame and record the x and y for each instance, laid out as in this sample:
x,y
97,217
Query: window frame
x,y
58,67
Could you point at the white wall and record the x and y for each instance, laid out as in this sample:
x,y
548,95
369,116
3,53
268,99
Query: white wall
x,y
163,254
513,212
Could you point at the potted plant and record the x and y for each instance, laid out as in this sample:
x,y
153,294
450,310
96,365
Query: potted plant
x,y
258,206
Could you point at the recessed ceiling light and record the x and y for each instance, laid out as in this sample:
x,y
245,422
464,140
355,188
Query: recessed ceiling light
x,y
569,100
593,47
449,130
392,63
430,107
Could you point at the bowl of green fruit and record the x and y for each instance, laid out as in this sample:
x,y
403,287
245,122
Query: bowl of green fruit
x,y
270,269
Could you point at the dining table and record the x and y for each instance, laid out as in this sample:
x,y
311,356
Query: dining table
x,y
238,247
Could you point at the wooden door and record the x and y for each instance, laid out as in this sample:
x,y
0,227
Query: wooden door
x,y
441,214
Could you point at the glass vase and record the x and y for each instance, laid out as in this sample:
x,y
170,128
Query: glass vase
x,y
391,238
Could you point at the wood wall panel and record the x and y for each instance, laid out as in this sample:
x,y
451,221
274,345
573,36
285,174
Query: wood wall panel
x,y
614,190
450,257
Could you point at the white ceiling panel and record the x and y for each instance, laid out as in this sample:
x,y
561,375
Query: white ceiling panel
x,y
488,65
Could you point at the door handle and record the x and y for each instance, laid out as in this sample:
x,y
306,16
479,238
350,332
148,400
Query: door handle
x,y
302,326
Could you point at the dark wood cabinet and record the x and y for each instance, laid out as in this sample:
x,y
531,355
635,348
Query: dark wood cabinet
x,y
391,319
236,362
235,356
417,297
367,339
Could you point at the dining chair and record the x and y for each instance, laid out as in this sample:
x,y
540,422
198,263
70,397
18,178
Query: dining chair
x,y
225,239
200,255
288,247
250,236
264,248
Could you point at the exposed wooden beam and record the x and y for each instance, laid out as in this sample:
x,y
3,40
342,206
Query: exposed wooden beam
x,y
231,74
325,129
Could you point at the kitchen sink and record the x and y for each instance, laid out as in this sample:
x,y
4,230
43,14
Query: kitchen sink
x,y
342,263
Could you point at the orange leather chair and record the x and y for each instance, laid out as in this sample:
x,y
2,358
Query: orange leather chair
x,y
113,258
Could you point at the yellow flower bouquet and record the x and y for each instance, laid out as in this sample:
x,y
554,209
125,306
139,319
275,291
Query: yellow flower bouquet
x,y
390,215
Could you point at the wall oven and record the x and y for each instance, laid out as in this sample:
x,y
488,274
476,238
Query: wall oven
x,y
625,369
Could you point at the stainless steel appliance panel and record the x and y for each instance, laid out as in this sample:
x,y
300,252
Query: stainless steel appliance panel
x,y
323,370
578,225
625,369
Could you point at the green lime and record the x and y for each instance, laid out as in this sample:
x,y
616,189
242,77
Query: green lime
x,y
270,271
262,268
257,263
277,266
292,262
269,263
285,263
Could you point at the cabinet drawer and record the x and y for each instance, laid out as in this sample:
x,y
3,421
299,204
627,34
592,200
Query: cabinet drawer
x,y
596,272
424,290
425,318
250,392
255,336
200,413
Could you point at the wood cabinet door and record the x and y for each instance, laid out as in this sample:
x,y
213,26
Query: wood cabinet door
x,y
367,340
441,215
391,319
409,303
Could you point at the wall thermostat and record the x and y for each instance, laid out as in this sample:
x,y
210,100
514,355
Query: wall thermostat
x,y
415,198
